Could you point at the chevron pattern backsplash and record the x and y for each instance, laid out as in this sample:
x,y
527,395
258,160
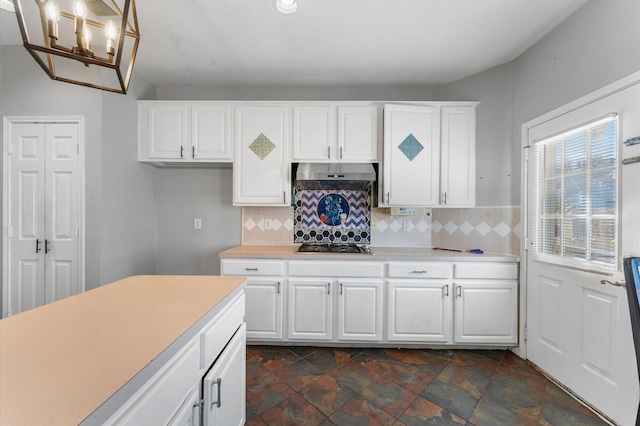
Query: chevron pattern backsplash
x,y
326,216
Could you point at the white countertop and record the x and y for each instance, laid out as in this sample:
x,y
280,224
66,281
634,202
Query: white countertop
x,y
289,251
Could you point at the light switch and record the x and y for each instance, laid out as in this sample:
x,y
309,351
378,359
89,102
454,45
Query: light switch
x,y
197,223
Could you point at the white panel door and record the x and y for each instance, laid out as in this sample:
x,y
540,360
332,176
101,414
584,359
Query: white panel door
x,y
458,156
579,330
43,194
260,171
224,386
314,133
419,311
486,311
27,217
357,133
62,212
263,313
411,155
210,132
309,309
360,310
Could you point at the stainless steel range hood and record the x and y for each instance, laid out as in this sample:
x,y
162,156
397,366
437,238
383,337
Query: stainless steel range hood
x,y
353,176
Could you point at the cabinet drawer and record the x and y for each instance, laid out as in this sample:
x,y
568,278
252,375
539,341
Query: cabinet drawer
x,y
336,269
219,331
419,270
489,270
252,267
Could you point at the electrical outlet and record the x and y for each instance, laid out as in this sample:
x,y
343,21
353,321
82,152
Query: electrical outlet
x,y
406,225
267,224
197,223
374,225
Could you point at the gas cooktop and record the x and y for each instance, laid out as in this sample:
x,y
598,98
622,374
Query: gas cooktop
x,y
333,248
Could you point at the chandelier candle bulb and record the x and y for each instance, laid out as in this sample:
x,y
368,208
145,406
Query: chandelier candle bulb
x,y
111,33
52,12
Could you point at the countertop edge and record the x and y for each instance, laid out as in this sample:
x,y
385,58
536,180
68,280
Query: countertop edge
x,y
111,405
382,254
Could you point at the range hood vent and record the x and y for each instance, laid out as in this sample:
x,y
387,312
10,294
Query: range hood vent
x,y
340,176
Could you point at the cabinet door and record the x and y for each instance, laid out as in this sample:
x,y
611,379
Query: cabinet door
x,y
360,310
210,133
224,386
419,311
486,312
189,412
263,313
411,156
166,130
357,133
314,133
458,157
309,309
261,172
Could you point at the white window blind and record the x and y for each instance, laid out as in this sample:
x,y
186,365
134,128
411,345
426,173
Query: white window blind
x,y
577,215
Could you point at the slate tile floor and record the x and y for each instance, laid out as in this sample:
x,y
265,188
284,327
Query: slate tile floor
x,y
351,387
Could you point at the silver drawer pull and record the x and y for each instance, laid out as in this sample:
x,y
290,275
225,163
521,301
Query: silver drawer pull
x,y
250,269
418,272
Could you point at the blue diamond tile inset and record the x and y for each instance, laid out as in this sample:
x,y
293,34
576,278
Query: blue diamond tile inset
x,y
262,146
410,147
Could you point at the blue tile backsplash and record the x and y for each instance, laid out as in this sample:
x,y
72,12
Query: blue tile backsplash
x,y
332,216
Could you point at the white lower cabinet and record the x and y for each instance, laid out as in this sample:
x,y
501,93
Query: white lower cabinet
x,y
486,303
309,309
264,294
419,311
486,312
264,308
359,310
224,385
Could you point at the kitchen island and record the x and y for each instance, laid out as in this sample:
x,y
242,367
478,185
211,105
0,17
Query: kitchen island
x,y
87,358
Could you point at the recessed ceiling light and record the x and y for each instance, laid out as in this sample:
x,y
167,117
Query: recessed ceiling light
x,y
286,6
7,5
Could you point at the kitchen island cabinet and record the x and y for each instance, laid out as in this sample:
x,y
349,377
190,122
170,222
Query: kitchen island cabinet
x,y
131,350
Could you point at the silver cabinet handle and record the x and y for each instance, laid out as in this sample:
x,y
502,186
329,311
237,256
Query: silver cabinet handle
x,y
341,153
340,288
387,198
458,291
250,269
46,246
38,249
329,152
278,288
418,272
446,290
217,383
444,198
328,288
193,152
620,283
181,151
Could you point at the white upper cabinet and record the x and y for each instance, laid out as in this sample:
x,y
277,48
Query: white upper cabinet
x,y
261,173
335,133
314,133
180,132
411,155
357,133
429,155
458,156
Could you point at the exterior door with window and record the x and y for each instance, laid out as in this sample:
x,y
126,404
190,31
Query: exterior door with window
x,y
582,218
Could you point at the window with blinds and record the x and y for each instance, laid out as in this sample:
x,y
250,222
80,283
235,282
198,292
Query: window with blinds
x,y
577,214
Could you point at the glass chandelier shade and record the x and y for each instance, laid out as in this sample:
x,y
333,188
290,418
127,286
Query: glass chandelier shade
x,y
92,43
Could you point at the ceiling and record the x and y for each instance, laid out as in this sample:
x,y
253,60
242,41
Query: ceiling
x,y
331,42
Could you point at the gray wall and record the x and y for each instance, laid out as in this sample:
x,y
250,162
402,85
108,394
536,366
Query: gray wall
x,y
112,172
595,46
183,195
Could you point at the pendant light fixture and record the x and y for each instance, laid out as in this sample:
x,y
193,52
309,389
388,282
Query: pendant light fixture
x,y
286,6
92,43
